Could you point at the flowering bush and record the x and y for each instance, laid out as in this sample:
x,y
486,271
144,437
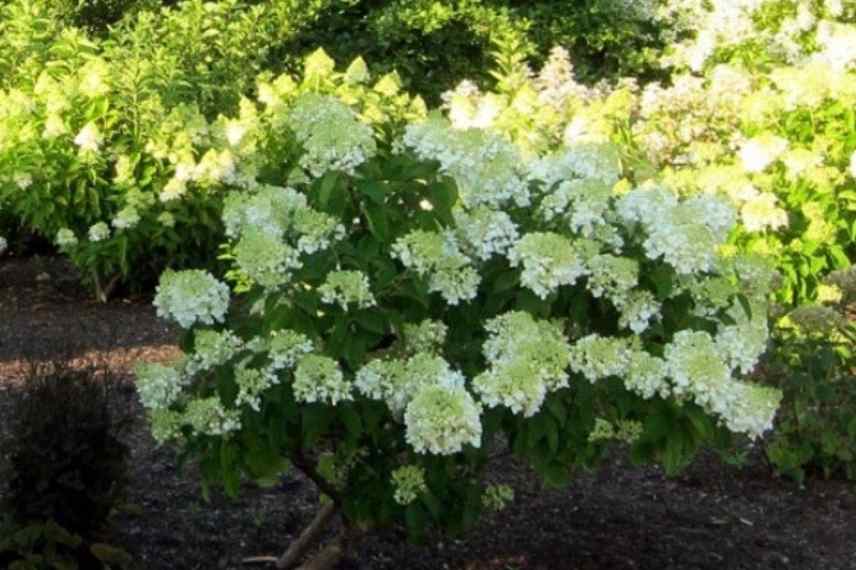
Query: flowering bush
x,y
415,300
95,157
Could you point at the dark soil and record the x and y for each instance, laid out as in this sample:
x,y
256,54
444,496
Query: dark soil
x,y
619,517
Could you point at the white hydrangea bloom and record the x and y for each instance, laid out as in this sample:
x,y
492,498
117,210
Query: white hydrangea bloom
x,y
23,180
271,210
192,296
347,287
583,203
99,232
318,378
286,347
317,231
646,375
549,261
159,386
754,409
581,161
762,212
487,169
396,381
333,137
438,257
427,336
211,349
65,238
126,219
645,205
597,357
441,420
209,416
612,276
251,384
485,232
638,309
267,260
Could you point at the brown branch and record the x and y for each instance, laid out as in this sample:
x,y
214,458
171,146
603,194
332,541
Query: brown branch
x,y
307,539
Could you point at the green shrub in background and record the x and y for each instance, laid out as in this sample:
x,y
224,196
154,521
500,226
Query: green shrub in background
x,y
813,361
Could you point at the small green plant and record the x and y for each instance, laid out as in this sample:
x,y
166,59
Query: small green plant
x,y
814,364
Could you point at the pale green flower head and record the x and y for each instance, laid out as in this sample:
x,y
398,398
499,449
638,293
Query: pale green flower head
x,y
285,347
408,482
251,384
612,276
441,420
597,357
65,239
428,336
99,232
190,297
317,231
333,137
347,288
159,386
165,424
549,261
646,375
638,308
126,219
213,348
266,259
208,416
318,378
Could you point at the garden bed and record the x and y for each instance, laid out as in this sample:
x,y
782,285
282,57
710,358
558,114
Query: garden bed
x,y
618,517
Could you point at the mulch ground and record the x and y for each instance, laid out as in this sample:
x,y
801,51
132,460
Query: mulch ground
x,y
713,516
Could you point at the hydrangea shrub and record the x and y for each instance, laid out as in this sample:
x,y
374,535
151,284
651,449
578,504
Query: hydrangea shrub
x,y
413,303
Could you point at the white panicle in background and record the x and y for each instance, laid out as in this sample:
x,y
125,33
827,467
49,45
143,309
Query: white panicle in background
x,y
65,238
427,336
211,349
99,232
126,219
485,232
286,347
208,416
597,357
89,138
265,259
758,153
190,297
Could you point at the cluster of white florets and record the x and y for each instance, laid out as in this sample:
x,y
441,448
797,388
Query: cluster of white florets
x,y
438,257
333,137
190,297
347,288
527,359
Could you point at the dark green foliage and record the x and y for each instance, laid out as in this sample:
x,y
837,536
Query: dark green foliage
x,y
66,461
816,427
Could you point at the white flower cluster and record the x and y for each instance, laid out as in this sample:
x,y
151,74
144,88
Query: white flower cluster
x,y
252,383
159,386
596,161
286,347
266,259
212,349
700,372
333,137
397,381
582,203
189,297
439,258
441,420
527,359
347,287
597,357
427,336
487,169
318,378
485,232
684,234
549,261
